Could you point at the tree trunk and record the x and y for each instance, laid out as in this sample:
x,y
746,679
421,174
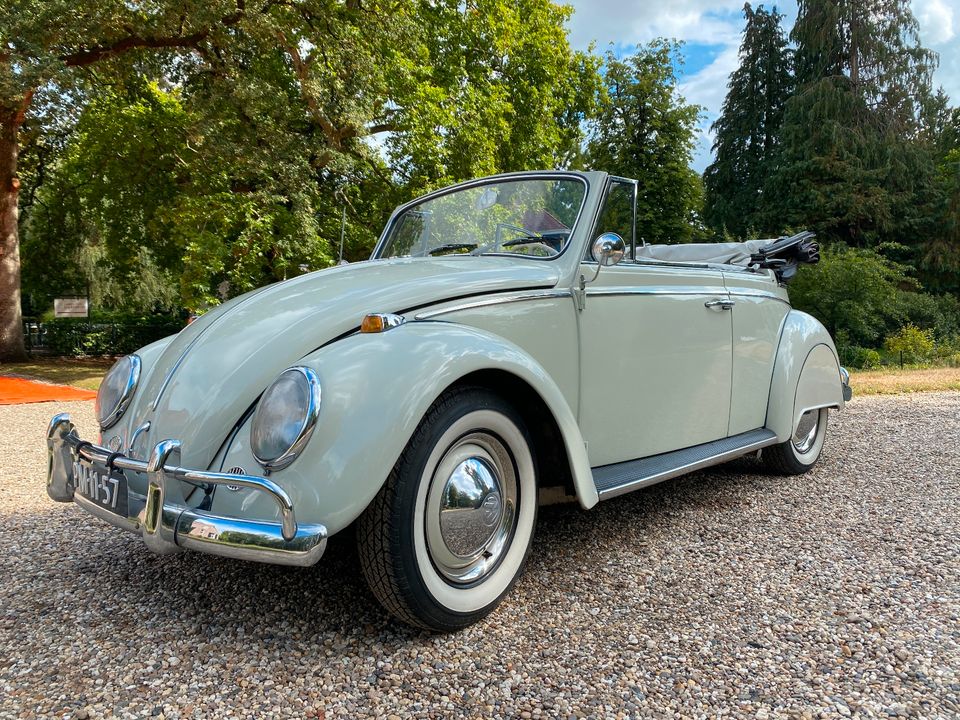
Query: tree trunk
x,y
11,322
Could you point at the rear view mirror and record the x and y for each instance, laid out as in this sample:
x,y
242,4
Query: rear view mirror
x,y
608,249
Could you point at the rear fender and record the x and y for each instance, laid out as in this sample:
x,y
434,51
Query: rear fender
x,y
376,388
806,374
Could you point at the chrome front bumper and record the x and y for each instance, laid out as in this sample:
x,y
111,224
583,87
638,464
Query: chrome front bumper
x,y
161,517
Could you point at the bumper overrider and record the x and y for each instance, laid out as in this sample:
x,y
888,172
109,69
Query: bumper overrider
x,y
845,383
162,518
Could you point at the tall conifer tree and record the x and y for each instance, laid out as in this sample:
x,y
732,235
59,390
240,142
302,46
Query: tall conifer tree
x,y
748,128
852,166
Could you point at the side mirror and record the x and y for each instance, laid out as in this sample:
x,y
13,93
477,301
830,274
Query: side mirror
x,y
608,249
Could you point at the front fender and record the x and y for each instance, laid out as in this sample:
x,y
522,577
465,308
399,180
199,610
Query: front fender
x,y
375,390
806,374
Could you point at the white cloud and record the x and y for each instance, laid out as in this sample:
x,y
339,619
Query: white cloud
x,y
719,23
639,21
936,19
708,88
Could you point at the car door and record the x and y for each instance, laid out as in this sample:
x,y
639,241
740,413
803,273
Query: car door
x,y
655,360
758,315
655,349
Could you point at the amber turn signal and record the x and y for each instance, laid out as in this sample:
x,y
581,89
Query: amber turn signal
x,y
380,322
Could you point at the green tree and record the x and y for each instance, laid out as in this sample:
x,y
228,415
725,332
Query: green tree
x,y
748,129
496,89
647,130
939,262
290,113
854,293
851,166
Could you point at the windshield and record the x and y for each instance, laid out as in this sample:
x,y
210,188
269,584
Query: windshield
x,y
532,217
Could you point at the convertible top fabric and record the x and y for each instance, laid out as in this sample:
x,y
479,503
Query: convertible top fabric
x,y
713,253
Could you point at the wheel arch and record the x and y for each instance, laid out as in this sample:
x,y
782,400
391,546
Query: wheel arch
x,y
553,463
806,374
376,390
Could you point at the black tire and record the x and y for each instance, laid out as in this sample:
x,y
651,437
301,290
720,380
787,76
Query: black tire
x,y
802,451
406,534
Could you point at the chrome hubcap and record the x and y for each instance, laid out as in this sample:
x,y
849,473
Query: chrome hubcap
x,y
471,508
806,433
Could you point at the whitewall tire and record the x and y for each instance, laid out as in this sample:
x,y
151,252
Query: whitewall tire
x,y
447,536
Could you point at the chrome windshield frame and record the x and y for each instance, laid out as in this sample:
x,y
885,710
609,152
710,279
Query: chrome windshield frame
x,y
493,180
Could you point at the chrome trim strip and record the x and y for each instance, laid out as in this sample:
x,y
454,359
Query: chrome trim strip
x,y
759,294
490,180
176,366
136,436
686,468
498,300
612,292
167,526
664,291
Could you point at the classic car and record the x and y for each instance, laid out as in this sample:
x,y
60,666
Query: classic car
x,y
510,340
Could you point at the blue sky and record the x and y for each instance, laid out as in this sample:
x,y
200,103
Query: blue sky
x,y
711,30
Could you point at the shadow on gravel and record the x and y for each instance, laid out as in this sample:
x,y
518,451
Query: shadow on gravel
x,y
209,598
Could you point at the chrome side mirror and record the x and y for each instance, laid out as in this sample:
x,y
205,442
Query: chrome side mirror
x,y
608,249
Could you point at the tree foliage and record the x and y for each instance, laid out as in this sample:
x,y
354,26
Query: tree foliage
x,y
646,130
853,165
748,129
268,130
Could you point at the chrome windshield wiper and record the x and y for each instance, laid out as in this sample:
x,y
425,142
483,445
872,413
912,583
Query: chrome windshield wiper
x,y
451,247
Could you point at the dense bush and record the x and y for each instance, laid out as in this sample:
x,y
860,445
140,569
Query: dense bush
x,y
863,299
100,336
916,345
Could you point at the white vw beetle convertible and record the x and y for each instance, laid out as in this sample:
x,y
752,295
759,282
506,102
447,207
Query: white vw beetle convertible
x,y
510,339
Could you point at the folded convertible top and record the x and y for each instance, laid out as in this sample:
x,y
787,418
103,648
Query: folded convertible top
x,y
783,255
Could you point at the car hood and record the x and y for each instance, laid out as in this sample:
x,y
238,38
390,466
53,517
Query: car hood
x,y
215,369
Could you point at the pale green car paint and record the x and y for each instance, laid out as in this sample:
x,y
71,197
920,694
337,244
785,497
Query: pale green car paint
x,y
635,366
376,389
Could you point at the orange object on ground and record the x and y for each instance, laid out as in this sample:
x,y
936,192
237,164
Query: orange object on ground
x,y
14,391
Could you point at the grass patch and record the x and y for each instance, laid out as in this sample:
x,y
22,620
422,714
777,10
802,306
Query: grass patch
x,y
894,381
890,381
85,374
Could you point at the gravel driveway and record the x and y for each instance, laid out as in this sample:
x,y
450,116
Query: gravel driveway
x,y
728,592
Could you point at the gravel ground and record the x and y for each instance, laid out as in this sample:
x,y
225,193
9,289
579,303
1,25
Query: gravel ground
x,y
724,593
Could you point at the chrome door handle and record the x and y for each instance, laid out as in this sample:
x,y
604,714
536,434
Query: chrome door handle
x,y
720,304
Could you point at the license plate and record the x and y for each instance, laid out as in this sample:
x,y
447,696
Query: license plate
x,y
107,489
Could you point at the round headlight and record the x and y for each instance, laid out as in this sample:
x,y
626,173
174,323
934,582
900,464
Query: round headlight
x,y
116,390
285,417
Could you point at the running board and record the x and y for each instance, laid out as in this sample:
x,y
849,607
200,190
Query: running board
x,y
614,480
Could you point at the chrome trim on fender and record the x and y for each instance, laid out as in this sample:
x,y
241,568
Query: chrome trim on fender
x,y
167,525
498,300
760,295
613,292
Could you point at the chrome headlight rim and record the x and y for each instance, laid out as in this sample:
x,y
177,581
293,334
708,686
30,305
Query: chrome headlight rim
x,y
126,394
307,426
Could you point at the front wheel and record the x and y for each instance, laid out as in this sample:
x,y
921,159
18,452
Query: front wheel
x,y
447,535
801,452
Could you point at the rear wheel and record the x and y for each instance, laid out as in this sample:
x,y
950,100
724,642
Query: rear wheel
x,y
801,452
447,536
